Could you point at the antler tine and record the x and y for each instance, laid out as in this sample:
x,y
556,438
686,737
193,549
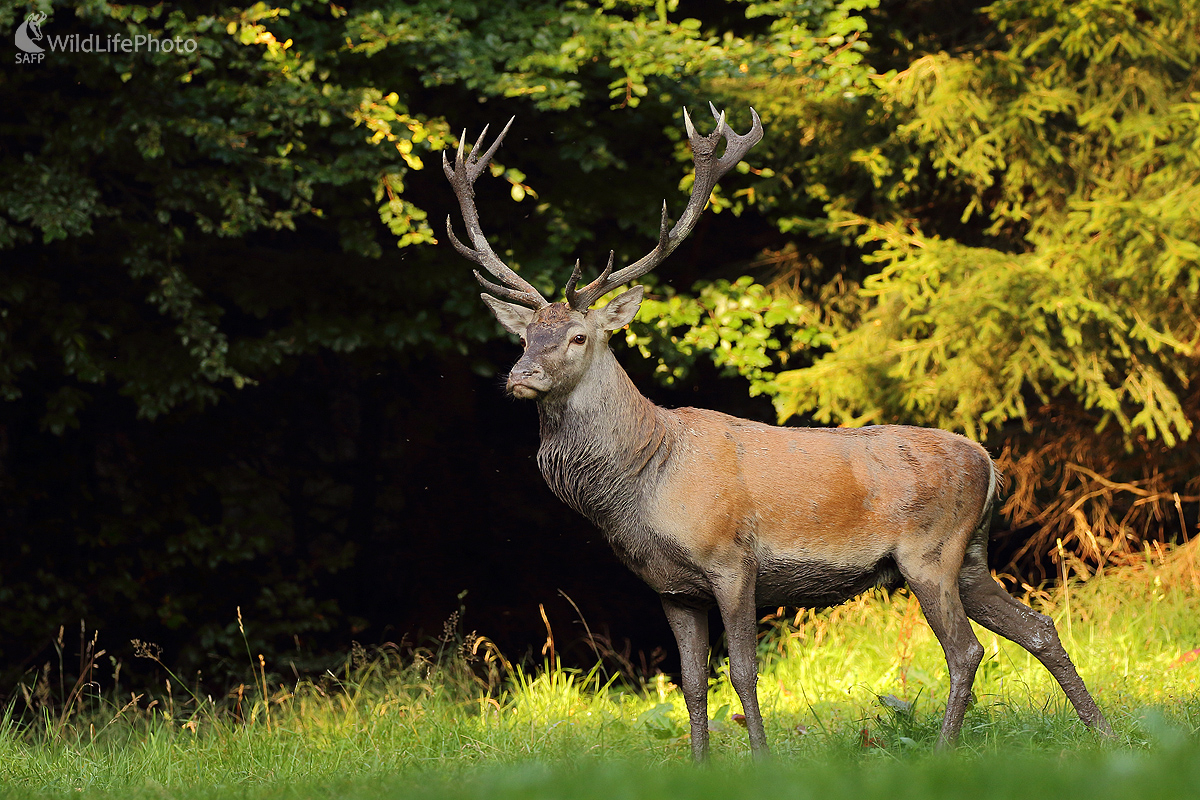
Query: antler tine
x,y
574,279
462,177
738,145
513,295
581,300
719,116
709,170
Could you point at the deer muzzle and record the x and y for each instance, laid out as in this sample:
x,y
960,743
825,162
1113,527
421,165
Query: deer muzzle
x,y
527,381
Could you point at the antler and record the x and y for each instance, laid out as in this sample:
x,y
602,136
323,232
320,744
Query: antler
x,y
709,170
462,178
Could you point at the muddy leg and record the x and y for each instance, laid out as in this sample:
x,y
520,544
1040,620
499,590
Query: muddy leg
x,y
988,604
690,626
736,602
946,616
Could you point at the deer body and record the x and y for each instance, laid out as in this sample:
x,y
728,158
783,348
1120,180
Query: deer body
x,y
686,494
713,510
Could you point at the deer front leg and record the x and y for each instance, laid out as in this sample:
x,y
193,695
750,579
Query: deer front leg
x,y
690,626
735,598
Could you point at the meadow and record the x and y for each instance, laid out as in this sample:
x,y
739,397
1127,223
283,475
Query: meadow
x,y
852,697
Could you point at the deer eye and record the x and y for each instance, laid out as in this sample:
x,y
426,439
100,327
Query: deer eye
x,y
579,338
523,342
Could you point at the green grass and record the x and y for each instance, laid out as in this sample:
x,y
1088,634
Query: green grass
x,y
429,728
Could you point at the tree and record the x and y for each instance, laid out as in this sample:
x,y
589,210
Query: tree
x,y
238,368
220,291
1026,210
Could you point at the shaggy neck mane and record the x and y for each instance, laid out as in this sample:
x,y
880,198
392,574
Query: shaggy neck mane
x,y
599,440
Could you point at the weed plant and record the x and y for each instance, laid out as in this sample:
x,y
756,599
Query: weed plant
x,y
852,697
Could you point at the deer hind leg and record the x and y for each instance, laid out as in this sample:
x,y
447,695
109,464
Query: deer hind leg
x,y
935,584
690,626
735,599
991,606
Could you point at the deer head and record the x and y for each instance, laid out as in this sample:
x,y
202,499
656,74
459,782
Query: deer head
x,y
560,342
563,340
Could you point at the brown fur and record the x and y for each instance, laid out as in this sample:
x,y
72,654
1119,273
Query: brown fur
x,y
816,493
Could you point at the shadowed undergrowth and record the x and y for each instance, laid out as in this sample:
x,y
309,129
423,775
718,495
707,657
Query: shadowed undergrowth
x,y
852,697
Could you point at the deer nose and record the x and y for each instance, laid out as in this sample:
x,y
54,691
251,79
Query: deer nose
x,y
527,381
527,372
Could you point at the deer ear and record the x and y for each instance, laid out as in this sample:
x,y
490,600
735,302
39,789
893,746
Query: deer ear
x,y
621,311
514,318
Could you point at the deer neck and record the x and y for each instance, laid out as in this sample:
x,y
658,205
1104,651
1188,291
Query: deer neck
x,y
603,445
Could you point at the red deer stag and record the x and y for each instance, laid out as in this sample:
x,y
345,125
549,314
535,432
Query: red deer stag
x,y
711,509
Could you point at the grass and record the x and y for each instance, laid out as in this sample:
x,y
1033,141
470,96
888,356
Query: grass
x,y
852,698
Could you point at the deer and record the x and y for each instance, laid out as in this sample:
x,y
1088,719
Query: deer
x,y
713,510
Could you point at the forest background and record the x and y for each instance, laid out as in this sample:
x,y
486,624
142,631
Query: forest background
x,y
245,380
